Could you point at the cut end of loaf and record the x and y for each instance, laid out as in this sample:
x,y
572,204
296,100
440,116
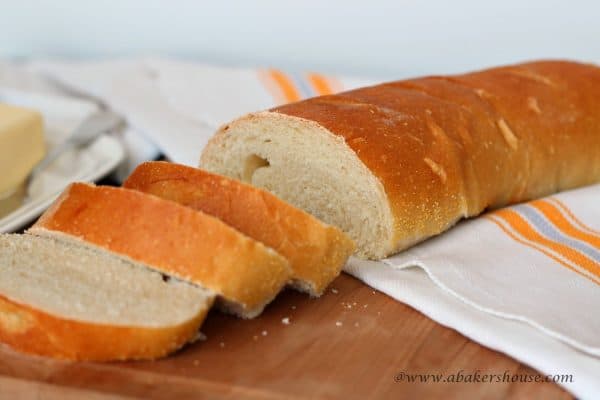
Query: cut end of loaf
x,y
305,164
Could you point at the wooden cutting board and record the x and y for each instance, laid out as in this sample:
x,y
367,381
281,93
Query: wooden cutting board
x,y
351,343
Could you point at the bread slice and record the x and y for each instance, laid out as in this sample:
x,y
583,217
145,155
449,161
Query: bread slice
x,y
170,238
316,251
72,302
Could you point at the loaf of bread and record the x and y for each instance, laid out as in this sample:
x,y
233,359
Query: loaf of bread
x,y
72,302
397,163
316,251
170,238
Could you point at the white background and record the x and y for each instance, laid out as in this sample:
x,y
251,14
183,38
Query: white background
x,y
377,38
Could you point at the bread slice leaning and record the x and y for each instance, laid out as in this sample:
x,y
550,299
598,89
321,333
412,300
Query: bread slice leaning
x,y
67,301
170,238
316,251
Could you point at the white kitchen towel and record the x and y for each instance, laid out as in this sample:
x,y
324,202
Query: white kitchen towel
x,y
523,280
179,105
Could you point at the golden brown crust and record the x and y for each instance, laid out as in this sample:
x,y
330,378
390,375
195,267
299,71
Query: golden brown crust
x,y
172,238
449,147
316,251
36,332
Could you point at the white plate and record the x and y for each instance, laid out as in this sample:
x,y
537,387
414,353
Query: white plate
x,y
91,163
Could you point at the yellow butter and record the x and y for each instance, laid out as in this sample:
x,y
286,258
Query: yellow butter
x,y
21,145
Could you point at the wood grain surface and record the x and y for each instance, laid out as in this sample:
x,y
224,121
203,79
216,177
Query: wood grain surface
x,y
349,344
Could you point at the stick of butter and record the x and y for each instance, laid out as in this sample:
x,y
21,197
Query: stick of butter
x,y
21,145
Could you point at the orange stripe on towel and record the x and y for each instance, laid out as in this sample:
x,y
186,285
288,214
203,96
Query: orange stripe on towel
x,y
320,84
567,211
522,227
286,86
553,214
547,253
496,220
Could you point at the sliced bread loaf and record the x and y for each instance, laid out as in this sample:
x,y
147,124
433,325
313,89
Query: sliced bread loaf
x,y
397,163
67,301
316,251
171,238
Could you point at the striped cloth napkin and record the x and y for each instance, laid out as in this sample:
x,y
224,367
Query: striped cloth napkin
x,y
523,280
